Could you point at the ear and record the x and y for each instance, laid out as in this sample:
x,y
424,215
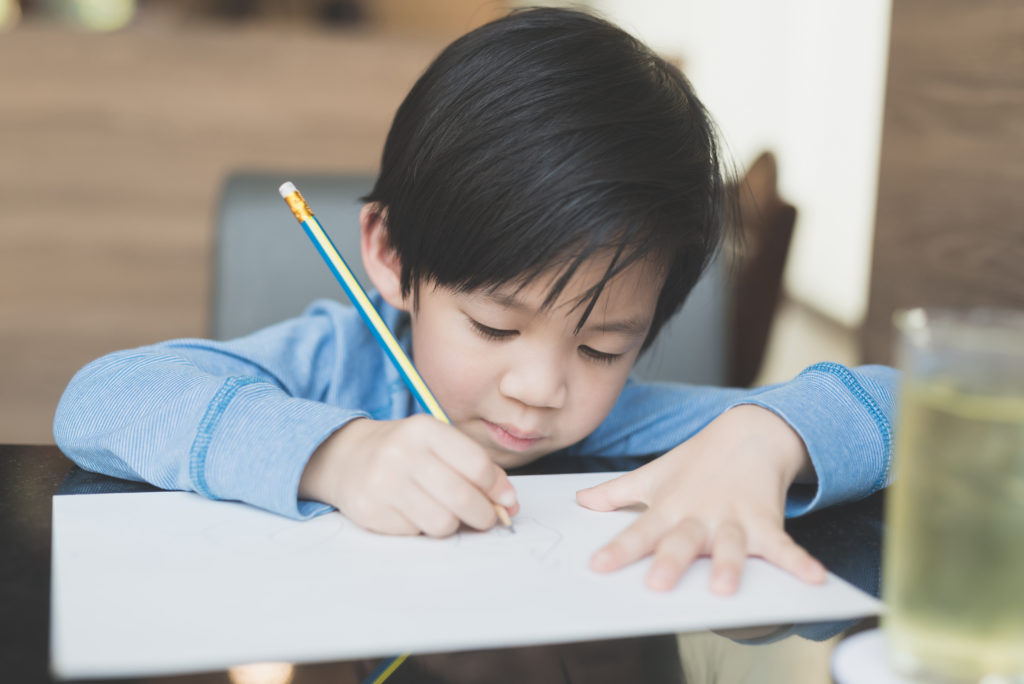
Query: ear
x,y
379,259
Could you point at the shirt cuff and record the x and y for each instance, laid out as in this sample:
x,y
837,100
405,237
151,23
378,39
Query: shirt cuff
x,y
254,442
843,419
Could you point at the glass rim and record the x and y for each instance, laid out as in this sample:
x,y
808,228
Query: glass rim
x,y
991,329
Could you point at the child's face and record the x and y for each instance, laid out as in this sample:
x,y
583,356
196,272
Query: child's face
x,y
519,380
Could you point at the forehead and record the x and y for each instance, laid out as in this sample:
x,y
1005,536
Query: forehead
x,y
633,291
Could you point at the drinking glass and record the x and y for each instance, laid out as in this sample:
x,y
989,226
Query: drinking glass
x,y
953,564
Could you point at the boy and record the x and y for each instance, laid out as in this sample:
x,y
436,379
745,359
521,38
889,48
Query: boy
x,y
550,191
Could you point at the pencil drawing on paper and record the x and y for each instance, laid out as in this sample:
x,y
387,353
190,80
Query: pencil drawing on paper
x,y
531,538
532,541
284,535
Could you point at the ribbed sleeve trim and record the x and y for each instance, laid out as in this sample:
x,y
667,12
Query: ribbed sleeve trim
x,y
881,421
207,426
847,433
253,444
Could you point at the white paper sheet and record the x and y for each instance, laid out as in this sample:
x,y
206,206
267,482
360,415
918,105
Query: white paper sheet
x,y
170,582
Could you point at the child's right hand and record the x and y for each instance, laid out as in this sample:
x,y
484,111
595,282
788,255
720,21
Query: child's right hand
x,y
407,476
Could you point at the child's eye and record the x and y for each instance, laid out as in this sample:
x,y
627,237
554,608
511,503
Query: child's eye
x,y
602,357
492,333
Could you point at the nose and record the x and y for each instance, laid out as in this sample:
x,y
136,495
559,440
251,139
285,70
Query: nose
x,y
536,378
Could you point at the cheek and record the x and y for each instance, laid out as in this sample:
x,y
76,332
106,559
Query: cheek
x,y
596,398
449,363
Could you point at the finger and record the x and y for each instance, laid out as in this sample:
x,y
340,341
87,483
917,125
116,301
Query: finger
x,y
633,543
387,520
675,553
728,553
624,490
426,513
465,456
459,496
782,551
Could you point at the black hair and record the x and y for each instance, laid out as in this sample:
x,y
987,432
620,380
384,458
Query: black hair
x,y
540,140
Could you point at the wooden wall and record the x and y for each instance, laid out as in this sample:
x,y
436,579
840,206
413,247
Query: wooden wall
x,y
113,149
950,223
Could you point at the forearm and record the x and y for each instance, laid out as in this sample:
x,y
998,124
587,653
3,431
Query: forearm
x,y
842,417
149,415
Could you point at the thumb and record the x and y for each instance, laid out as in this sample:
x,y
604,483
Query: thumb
x,y
624,490
503,493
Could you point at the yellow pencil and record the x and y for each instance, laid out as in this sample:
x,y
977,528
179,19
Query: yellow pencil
x,y
369,314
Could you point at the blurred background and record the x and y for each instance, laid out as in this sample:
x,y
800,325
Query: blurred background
x,y
881,145
896,126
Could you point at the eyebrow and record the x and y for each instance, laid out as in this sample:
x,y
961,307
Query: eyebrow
x,y
630,326
509,301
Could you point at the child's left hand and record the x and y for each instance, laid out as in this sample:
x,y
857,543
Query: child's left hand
x,y
721,494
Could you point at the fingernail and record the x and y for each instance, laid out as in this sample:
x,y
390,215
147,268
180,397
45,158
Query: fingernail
x,y
507,498
816,571
602,560
660,579
724,582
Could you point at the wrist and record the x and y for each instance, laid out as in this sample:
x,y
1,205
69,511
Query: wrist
x,y
775,438
319,478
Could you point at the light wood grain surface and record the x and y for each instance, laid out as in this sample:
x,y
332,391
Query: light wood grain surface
x,y
950,226
113,149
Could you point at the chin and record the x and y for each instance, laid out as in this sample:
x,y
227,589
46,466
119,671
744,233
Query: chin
x,y
510,459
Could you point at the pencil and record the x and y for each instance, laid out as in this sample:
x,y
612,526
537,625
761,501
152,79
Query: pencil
x,y
357,295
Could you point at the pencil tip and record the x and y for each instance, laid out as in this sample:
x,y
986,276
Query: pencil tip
x,y
503,517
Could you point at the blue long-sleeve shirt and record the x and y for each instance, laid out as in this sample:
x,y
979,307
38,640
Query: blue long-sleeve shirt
x,y
240,419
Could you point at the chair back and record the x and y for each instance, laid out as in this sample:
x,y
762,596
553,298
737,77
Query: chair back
x,y
265,268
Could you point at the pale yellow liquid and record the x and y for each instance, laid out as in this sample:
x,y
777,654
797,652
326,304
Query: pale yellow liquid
x,y
954,551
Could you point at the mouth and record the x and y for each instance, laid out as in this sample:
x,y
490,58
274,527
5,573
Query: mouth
x,y
510,437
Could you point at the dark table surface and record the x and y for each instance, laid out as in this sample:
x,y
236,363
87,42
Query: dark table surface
x,y
847,539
